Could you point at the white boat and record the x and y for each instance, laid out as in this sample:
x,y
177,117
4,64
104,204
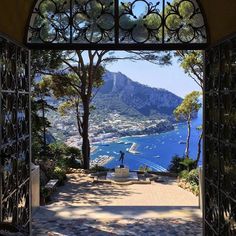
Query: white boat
x,y
182,142
120,142
157,156
127,143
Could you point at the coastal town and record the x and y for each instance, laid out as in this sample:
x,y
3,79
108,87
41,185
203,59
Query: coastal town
x,y
106,129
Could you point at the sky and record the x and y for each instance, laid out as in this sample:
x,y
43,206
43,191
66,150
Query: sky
x,y
171,77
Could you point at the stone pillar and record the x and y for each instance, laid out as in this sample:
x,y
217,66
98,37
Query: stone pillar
x,y
35,185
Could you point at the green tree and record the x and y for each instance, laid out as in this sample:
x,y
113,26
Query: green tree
x,y
186,110
79,79
77,87
192,64
190,60
40,61
40,123
41,91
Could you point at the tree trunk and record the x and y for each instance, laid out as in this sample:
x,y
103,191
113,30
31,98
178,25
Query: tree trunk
x,y
85,136
199,149
188,137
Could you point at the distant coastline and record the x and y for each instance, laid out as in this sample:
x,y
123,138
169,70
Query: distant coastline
x,y
155,150
120,138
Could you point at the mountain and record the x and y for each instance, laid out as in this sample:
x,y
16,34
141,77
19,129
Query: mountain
x,y
123,108
130,98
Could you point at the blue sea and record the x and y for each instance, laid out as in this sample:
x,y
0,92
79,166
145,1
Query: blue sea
x,y
155,151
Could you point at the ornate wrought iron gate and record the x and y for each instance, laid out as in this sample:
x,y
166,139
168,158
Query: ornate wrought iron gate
x,y
14,136
220,139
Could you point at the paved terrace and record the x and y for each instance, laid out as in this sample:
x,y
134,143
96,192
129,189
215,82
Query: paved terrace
x,y
82,207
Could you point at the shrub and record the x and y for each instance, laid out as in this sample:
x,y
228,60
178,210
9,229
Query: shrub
x,y
57,149
74,163
195,190
175,165
144,168
45,196
73,151
191,180
62,163
74,157
98,168
193,177
60,174
188,164
183,174
179,164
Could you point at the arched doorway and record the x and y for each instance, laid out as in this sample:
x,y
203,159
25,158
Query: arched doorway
x,y
59,24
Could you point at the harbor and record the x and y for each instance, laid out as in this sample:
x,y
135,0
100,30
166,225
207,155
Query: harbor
x,y
155,151
101,160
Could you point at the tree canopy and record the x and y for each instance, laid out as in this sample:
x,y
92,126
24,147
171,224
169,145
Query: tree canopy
x,y
189,106
186,111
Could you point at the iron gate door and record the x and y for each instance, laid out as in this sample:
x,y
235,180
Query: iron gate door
x,y
220,139
14,137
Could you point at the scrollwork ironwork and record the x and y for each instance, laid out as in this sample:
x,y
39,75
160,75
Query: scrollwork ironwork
x,y
93,21
116,23
184,22
141,25
220,140
14,135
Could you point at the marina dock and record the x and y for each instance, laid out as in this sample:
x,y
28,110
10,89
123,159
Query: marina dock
x,y
101,160
133,148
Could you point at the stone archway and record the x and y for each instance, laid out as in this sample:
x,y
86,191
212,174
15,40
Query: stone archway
x,y
92,24
75,31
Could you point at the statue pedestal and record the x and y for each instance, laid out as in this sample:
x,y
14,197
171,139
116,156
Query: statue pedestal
x,y
121,172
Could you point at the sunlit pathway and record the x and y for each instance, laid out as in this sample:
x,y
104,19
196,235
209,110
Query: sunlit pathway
x,y
82,207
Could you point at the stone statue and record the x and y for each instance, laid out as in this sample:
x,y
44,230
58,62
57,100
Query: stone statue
x,y
122,156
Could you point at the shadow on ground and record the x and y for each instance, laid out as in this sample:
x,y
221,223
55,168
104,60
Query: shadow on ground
x,y
117,212
127,226
82,207
84,191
